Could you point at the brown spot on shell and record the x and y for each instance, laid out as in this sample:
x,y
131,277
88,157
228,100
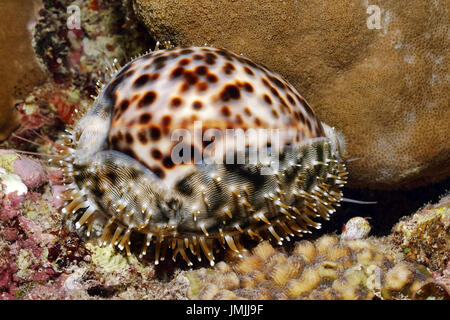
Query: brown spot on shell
x,y
160,62
155,133
158,172
230,92
186,51
226,111
145,118
142,136
141,81
190,77
147,99
267,99
201,70
290,99
124,105
202,86
197,105
210,58
176,72
277,82
211,77
275,113
184,62
176,102
156,154
228,68
166,120
248,87
167,162
248,71
129,138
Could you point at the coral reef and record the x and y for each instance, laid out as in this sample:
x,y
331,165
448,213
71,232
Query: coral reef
x,y
42,259
386,89
328,268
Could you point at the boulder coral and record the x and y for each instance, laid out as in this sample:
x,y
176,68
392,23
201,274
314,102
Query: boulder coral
x,y
382,79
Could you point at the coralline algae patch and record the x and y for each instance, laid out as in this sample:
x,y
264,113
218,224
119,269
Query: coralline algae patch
x,y
328,268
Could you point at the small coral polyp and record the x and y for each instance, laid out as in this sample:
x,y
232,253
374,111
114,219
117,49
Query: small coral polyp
x,y
119,157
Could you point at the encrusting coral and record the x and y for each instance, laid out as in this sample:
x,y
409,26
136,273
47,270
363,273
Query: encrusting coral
x,y
327,268
385,87
425,236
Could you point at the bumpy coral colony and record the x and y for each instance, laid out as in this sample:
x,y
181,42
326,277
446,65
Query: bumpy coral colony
x,y
120,158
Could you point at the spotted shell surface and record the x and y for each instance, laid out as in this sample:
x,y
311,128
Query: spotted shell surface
x,y
122,163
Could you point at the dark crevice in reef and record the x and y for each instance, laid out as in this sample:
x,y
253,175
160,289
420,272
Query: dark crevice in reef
x,y
391,206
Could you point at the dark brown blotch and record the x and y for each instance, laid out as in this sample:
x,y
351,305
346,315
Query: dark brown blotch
x,y
156,154
176,102
129,138
290,99
166,120
158,172
248,71
147,99
141,81
186,51
115,142
201,70
226,111
167,162
184,62
230,91
210,58
190,77
275,113
248,87
124,105
142,136
277,82
197,105
160,62
228,56
228,68
176,72
155,133
211,77
202,86
267,99
145,118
